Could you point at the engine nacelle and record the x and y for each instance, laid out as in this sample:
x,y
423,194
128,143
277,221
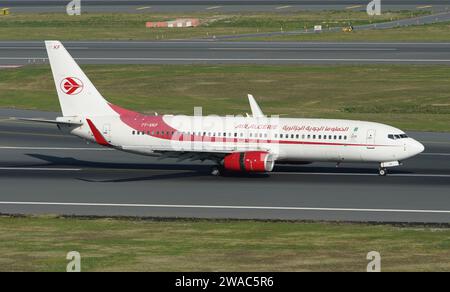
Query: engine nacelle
x,y
252,161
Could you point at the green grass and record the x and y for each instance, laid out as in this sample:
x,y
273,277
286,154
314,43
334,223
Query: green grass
x,y
41,244
127,26
406,96
439,32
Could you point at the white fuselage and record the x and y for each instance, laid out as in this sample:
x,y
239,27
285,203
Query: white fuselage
x,y
289,140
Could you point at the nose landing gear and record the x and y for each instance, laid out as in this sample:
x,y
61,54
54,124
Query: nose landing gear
x,y
382,171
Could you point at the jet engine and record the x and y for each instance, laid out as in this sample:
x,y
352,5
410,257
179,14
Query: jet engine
x,y
251,161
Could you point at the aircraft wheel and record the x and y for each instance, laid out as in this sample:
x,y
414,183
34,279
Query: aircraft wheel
x,y
382,171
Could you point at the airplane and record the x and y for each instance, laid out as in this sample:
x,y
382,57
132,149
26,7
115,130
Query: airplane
x,y
250,144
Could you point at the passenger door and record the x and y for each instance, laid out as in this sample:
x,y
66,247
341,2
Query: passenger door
x,y
370,139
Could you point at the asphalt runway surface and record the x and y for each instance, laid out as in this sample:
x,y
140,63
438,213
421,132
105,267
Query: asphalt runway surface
x,y
222,52
43,171
146,6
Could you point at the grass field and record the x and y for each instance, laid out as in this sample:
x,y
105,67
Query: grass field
x,y
41,244
439,32
128,26
410,97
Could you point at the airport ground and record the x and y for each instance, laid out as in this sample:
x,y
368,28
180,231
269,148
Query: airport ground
x,y
41,244
38,163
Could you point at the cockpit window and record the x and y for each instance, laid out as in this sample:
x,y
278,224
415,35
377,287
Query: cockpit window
x,y
395,137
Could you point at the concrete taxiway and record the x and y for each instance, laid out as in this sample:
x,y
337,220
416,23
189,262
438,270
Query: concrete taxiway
x,y
44,171
219,6
222,52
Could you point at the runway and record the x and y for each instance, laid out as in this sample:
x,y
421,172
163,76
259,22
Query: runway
x,y
220,6
222,52
44,171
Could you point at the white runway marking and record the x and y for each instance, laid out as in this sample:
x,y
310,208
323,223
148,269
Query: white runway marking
x,y
302,49
143,8
436,154
10,66
226,207
40,168
353,7
283,7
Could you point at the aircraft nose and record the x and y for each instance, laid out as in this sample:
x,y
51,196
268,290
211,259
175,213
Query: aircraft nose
x,y
416,147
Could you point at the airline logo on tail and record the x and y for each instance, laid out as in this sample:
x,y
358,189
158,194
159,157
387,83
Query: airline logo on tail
x,y
71,85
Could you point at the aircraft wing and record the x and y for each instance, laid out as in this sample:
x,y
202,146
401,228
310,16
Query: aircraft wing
x,y
180,155
187,155
256,110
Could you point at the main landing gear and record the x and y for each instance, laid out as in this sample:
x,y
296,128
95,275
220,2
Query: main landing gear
x,y
216,171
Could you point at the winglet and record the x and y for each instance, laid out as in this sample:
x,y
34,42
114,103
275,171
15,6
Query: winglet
x,y
256,110
97,135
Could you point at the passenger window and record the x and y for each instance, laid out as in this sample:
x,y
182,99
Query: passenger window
x,y
335,137
297,136
303,136
235,134
281,135
292,136
314,136
340,137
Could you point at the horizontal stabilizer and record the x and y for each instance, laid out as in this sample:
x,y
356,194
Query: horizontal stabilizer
x,y
56,122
